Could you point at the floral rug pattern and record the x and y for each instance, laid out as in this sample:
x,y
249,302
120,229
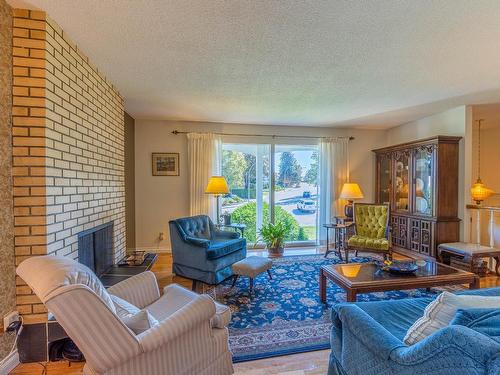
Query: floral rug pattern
x,y
285,315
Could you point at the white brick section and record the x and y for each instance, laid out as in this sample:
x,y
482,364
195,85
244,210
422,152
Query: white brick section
x,y
87,152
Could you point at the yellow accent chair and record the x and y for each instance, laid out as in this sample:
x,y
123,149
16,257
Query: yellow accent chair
x,y
371,230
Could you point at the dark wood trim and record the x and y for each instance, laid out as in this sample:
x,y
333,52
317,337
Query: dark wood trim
x,y
411,144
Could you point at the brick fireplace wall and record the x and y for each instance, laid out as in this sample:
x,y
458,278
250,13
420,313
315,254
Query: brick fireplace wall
x,y
68,148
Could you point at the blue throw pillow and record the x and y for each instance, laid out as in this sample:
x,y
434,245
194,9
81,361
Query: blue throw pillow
x,y
485,321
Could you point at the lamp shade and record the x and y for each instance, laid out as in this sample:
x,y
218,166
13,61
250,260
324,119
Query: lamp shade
x,y
480,192
351,191
217,185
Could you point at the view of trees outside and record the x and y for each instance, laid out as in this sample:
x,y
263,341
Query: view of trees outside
x,y
311,176
290,171
234,167
296,174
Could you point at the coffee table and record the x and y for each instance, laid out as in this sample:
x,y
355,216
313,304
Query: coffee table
x,y
357,278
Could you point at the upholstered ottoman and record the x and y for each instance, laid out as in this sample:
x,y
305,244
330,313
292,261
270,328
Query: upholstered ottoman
x,y
251,267
471,253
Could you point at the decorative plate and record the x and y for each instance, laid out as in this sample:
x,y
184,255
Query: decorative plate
x,y
421,204
400,268
406,268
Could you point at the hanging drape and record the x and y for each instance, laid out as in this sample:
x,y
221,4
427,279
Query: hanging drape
x,y
204,150
333,173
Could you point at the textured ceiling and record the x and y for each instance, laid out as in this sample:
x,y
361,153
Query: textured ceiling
x,y
332,63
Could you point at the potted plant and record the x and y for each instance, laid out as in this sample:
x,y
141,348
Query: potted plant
x,y
273,235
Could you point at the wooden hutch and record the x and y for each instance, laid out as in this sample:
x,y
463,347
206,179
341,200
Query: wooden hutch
x,y
420,182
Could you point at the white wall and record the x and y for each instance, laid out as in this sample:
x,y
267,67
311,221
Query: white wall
x,y
456,122
160,199
451,122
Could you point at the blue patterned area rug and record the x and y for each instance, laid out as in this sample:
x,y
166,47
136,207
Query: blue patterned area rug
x,y
285,314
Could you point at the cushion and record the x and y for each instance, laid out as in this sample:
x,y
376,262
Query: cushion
x,y
225,234
494,292
175,297
45,274
252,266
485,321
140,321
220,247
397,316
368,243
371,220
466,248
467,317
124,308
440,312
194,226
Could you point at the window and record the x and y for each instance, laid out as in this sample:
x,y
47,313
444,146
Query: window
x,y
296,189
248,169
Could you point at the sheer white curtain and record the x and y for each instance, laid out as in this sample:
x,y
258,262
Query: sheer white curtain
x,y
333,173
204,158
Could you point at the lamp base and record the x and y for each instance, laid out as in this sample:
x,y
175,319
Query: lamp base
x,y
349,209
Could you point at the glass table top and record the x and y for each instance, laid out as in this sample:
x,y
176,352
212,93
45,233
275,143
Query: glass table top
x,y
366,272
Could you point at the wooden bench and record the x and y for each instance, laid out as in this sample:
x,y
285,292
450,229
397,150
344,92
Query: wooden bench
x,y
469,252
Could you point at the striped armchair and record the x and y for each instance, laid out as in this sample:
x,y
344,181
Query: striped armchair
x,y
189,337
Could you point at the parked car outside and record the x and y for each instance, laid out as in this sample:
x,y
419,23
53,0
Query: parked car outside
x,y
306,205
306,194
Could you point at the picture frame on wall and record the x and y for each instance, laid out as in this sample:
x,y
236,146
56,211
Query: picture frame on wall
x,y
165,163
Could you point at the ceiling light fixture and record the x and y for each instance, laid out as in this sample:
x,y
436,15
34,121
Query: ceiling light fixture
x,y
479,191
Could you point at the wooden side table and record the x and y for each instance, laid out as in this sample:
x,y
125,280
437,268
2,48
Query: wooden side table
x,y
340,233
343,219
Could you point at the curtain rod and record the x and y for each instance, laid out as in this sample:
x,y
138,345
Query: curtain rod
x,y
176,132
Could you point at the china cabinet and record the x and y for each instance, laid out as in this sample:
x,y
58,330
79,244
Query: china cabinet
x,y
420,182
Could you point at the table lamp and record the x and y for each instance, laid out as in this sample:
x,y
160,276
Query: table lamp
x,y
217,186
350,191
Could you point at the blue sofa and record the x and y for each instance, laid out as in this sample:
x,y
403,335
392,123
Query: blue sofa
x,y
202,252
367,338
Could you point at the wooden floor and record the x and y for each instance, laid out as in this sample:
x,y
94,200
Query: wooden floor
x,y
313,363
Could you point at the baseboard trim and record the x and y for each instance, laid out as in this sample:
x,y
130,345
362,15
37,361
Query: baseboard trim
x,y
9,363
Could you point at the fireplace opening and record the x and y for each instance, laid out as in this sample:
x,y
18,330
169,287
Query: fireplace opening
x,y
95,248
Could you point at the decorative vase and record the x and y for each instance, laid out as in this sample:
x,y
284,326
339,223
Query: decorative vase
x,y
274,252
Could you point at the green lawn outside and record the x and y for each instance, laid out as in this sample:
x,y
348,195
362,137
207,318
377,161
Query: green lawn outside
x,y
310,232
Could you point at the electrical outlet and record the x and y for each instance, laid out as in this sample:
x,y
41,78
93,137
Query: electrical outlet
x,y
162,236
10,318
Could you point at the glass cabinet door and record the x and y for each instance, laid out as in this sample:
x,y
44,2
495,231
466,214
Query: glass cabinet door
x,y
384,179
401,180
423,181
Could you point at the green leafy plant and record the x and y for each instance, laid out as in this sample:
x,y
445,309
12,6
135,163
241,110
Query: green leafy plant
x,y
246,214
274,235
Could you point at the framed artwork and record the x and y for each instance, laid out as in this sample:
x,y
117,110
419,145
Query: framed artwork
x,y
165,164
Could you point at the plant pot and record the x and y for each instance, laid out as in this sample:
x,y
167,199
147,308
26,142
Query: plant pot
x,y
274,252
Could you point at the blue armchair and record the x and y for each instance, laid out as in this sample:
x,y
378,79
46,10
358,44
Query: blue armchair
x,y
367,338
202,252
